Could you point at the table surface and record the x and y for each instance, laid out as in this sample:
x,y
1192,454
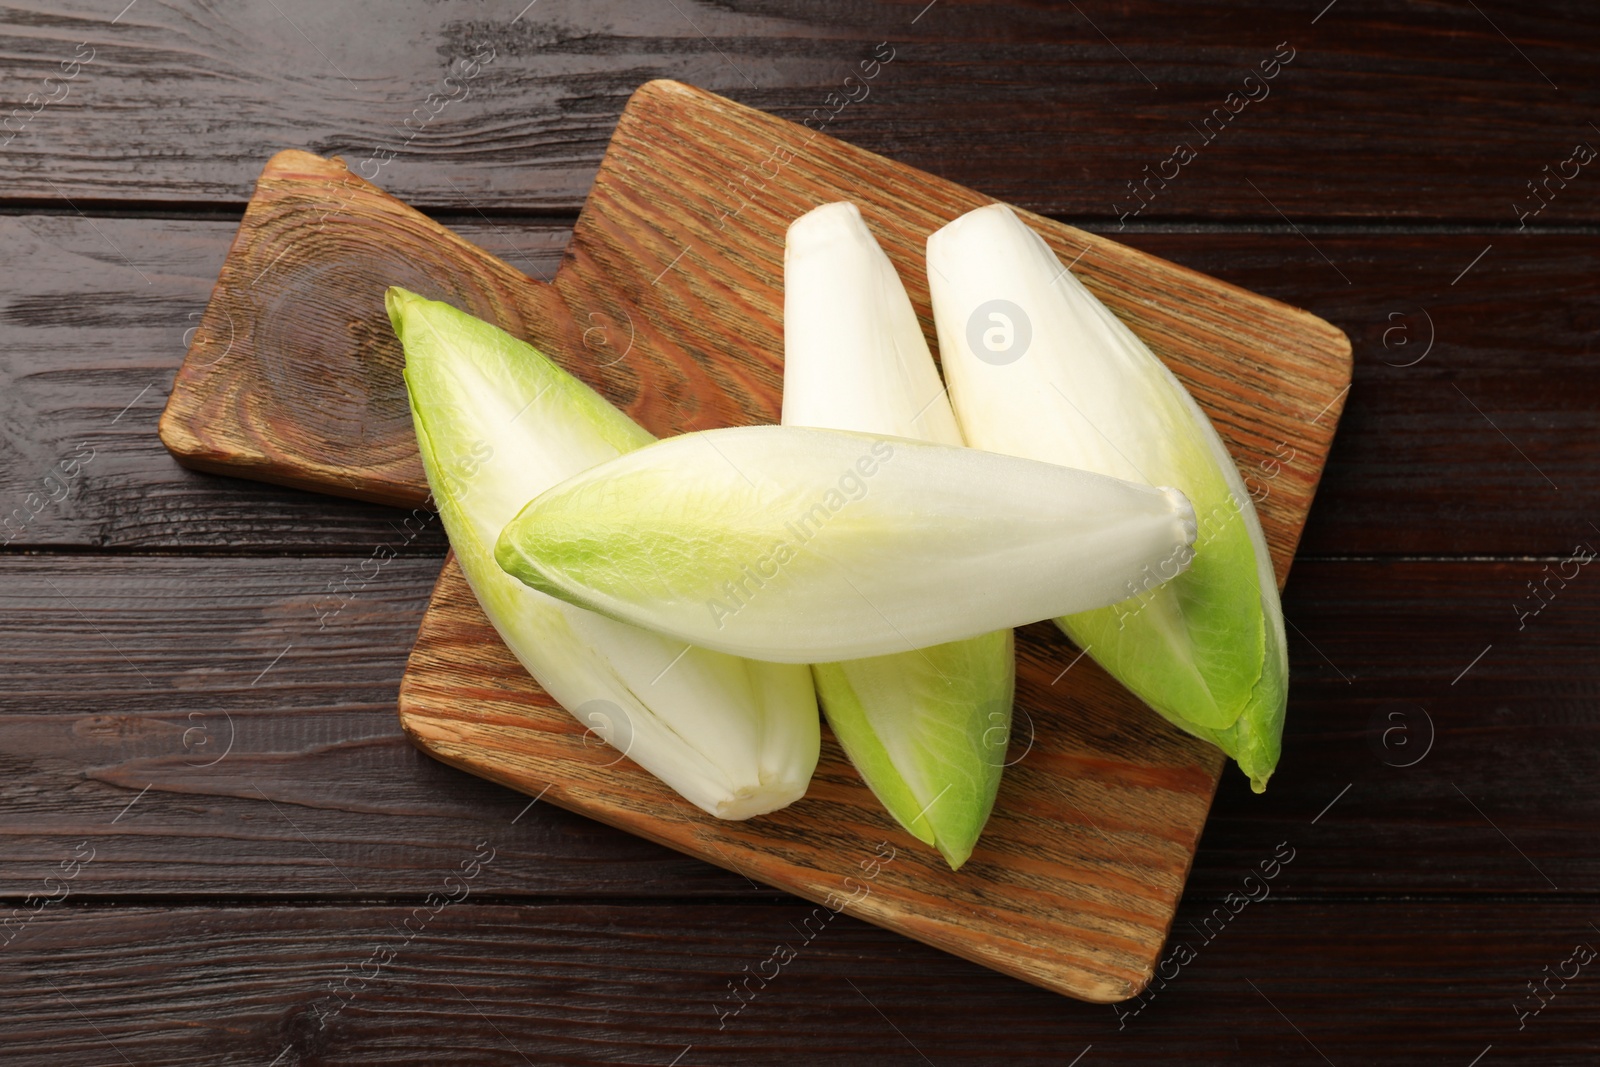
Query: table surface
x,y
216,846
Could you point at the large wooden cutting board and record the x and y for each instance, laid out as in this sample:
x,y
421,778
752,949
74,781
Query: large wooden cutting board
x,y
669,301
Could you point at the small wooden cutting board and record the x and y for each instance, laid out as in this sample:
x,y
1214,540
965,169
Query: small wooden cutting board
x,y
669,301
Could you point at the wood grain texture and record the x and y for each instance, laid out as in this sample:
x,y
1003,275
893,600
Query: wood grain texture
x,y
227,726
1425,111
1415,471
293,374
317,733
301,291
1390,112
1455,731
1282,982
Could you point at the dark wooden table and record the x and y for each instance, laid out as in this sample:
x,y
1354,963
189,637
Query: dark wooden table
x,y
214,832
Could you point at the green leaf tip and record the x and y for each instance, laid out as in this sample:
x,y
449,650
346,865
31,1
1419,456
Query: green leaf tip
x,y
926,729
1038,367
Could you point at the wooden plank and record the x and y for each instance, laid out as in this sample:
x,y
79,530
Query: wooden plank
x,y
1377,712
1283,982
81,335
82,735
1432,745
228,726
1051,107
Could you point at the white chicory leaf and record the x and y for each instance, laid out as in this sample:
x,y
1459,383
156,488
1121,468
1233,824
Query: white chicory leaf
x,y
927,729
497,423
808,546
1038,367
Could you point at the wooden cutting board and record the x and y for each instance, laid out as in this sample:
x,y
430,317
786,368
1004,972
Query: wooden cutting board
x,y
669,301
